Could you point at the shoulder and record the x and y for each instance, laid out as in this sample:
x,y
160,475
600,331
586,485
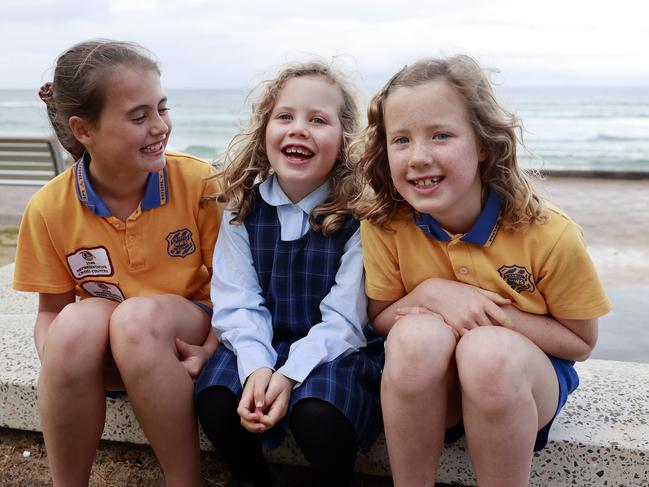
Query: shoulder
x,y
56,196
188,164
557,222
401,224
191,169
558,227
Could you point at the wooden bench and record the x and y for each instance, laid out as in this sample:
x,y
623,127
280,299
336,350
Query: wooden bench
x,y
30,160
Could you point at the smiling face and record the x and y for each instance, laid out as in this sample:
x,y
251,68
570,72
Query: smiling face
x,y
434,154
132,131
304,134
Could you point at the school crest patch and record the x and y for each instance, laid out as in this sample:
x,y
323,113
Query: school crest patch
x,y
180,243
517,277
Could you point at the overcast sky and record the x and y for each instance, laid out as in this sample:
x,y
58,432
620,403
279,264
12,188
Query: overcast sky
x,y
236,43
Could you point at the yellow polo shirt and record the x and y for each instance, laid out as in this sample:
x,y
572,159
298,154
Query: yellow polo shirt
x,y
544,268
68,238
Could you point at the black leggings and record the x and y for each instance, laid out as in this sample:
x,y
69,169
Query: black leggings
x,y
323,433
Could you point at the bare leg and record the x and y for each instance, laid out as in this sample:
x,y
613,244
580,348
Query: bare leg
x,y
71,391
142,332
509,391
418,378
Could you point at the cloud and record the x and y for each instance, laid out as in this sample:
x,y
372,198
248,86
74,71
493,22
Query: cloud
x,y
203,43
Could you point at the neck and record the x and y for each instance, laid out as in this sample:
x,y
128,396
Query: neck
x,y
117,185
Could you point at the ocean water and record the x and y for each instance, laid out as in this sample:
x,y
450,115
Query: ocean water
x,y
565,128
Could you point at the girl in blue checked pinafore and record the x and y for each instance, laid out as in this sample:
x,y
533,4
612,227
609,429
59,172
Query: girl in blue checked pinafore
x,y
289,304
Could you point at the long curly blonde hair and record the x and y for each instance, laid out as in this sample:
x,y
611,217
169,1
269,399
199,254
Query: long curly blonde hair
x,y
496,130
245,162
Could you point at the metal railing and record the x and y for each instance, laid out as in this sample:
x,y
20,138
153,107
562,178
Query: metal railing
x,y
30,160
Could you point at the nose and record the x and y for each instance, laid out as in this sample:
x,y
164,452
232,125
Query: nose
x,y
159,126
298,129
420,156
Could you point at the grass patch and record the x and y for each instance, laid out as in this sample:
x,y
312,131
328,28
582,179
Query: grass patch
x,y
8,236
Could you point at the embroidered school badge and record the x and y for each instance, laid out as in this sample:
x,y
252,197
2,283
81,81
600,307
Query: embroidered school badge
x,y
517,277
180,243
103,290
89,262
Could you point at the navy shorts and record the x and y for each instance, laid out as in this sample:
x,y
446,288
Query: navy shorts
x,y
204,307
568,382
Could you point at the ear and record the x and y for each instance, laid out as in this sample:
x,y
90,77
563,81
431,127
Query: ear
x,y
482,154
80,128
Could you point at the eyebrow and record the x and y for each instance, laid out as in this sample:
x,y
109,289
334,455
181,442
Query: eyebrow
x,y
144,107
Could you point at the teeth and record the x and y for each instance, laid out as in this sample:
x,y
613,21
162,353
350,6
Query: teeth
x,y
302,152
153,147
427,182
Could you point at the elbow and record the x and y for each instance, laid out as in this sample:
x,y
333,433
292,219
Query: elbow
x,y
585,350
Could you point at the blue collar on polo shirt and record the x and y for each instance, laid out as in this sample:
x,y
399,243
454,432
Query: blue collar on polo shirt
x,y
156,192
483,231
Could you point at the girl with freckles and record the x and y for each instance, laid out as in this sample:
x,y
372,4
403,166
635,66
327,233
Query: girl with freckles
x,y
485,291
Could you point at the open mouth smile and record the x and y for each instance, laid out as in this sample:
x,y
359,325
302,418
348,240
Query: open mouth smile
x,y
297,153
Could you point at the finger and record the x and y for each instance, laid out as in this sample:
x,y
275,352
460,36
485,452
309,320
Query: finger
x,y
456,333
253,426
495,297
407,310
484,319
259,393
498,316
245,408
276,412
182,347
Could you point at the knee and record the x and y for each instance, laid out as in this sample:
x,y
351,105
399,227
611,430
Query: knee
x,y
491,375
135,322
418,353
77,339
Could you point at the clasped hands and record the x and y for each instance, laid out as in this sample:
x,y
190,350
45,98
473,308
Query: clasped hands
x,y
264,400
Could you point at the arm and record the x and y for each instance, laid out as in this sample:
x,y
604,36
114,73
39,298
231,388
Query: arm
x,y
562,338
568,281
460,305
344,313
49,306
240,319
208,220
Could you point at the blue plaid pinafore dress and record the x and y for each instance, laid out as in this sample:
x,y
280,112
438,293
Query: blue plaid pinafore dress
x,y
295,276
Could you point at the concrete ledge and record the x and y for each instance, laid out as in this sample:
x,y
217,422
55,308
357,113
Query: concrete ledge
x,y
601,437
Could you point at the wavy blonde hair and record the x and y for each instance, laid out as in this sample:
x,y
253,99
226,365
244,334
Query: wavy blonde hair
x,y
496,130
245,162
